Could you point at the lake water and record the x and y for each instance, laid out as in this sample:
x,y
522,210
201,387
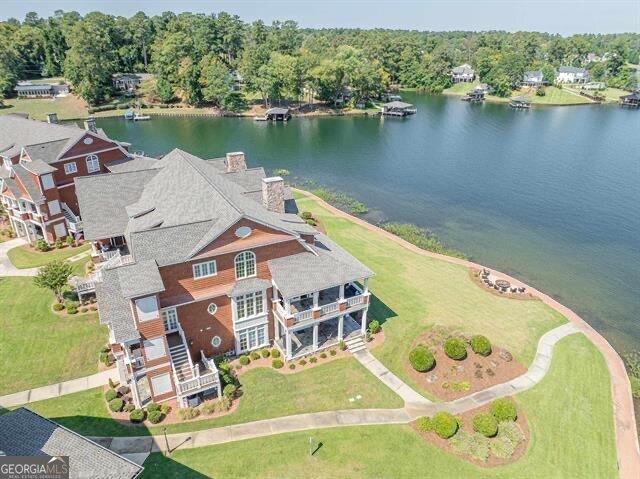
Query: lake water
x,y
550,195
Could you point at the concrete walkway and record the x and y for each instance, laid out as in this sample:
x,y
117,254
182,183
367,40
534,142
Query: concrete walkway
x,y
6,267
59,389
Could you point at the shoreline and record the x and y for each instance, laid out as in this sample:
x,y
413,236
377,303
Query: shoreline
x,y
627,447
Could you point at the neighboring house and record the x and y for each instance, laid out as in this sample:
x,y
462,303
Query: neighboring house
x,y
39,163
41,90
463,73
25,433
593,58
213,262
596,85
534,78
129,81
572,75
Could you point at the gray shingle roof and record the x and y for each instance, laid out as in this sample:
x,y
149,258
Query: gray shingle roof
x,y
38,167
29,184
47,152
25,433
140,279
249,285
115,309
398,104
306,272
136,164
570,69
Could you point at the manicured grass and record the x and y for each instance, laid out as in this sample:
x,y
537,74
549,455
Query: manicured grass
x,y
266,394
569,415
36,346
26,257
414,292
67,108
558,96
461,88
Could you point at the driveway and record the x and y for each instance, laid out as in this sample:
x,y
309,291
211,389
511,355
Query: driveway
x,y
6,268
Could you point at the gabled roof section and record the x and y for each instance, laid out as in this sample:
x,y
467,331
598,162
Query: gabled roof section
x,y
31,187
37,167
115,309
140,279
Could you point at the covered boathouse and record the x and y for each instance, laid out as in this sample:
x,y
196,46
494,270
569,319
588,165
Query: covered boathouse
x,y
398,108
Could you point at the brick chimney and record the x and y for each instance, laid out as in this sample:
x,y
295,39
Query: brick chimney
x,y
90,125
235,162
273,194
52,118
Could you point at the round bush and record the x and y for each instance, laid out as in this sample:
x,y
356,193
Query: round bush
x,y
455,349
292,366
72,309
485,424
244,360
422,359
155,416
333,352
275,353
277,363
129,407
110,395
313,359
303,362
116,404
254,355
152,406
374,326
265,353
58,307
444,424
229,391
424,424
137,415
323,355
504,409
480,345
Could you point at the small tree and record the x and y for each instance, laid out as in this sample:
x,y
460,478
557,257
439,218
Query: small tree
x,y
54,276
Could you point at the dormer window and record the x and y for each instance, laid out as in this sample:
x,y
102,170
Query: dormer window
x,y
70,168
93,164
204,270
245,264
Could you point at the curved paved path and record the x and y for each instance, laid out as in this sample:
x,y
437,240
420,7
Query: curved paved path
x,y
6,267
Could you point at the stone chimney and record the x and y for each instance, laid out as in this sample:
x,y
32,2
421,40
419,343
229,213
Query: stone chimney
x,y
52,118
235,162
273,194
90,125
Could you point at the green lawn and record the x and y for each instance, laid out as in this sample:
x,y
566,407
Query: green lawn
x,y
569,415
558,96
26,257
67,108
461,88
267,394
413,293
38,347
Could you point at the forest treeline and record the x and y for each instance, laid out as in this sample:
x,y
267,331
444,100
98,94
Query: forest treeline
x,y
196,58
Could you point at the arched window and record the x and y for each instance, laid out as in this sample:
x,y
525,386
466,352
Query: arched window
x,y
245,265
93,164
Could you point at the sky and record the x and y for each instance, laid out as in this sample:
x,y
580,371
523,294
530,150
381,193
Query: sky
x,y
555,16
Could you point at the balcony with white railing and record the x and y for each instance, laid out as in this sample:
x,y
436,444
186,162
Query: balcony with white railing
x,y
205,376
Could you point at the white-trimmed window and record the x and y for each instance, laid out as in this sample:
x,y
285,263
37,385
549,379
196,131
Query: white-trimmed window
x,y
252,338
203,270
47,182
161,384
170,319
54,207
212,309
147,308
249,305
216,341
60,230
245,263
93,164
154,348
70,168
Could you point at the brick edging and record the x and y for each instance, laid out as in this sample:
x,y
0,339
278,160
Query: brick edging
x,y
628,450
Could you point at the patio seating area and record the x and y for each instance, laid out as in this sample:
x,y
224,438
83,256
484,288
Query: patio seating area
x,y
302,340
326,296
500,285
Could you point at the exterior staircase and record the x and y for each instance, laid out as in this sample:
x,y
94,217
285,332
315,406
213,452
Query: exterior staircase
x,y
355,343
181,363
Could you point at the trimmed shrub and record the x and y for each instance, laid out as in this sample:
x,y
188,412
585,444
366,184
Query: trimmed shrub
x,y
229,391
323,355
485,424
137,415
343,346
71,308
129,407
58,307
265,353
302,362
455,349
480,345
275,353
155,416
69,240
188,413
292,366
313,359
277,363
110,395
511,431
422,359
58,243
424,424
116,404
41,245
374,326
209,407
224,367
104,358
254,355
502,447
306,215
333,352
152,406
474,445
444,424
84,310
112,385
504,409
244,360
165,409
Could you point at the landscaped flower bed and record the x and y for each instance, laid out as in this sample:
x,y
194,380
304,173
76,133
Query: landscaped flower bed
x,y
461,364
487,436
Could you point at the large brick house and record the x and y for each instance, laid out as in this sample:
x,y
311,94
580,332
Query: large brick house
x,y
212,261
39,163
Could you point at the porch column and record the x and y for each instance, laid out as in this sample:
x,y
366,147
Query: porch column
x,y
340,327
315,337
366,285
276,327
287,306
26,230
94,250
341,297
316,299
363,328
288,345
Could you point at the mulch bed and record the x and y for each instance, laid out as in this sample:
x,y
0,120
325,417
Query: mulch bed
x,y
467,425
476,278
496,368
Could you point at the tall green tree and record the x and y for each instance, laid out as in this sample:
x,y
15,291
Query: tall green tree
x,y
216,81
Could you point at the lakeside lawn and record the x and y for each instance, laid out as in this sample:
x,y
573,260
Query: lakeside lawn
x,y
558,96
68,108
461,88
24,256
569,414
36,346
266,394
412,293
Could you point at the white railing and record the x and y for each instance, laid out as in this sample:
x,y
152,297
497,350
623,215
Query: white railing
x,y
355,300
197,382
109,255
303,315
329,308
281,311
